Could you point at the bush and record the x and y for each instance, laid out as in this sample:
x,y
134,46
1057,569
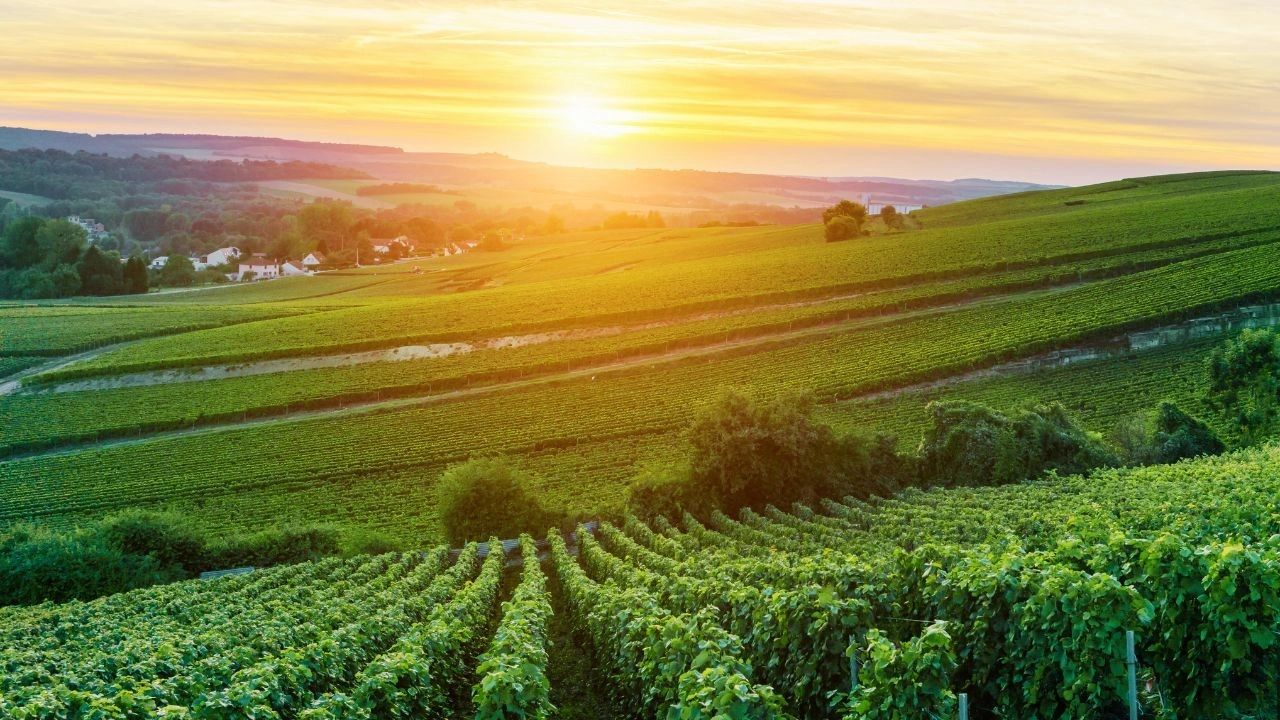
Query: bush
x,y
840,228
664,490
1244,383
276,546
488,497
37,564
166,537
1179,435
971,444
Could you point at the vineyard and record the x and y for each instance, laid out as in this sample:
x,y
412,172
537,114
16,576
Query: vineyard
x,y
1018,598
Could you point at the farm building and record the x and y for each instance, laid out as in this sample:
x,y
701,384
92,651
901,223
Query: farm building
x,y
159,262
259,267
313,259
221,256
293,267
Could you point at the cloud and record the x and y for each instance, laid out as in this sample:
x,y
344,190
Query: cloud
x,y
1179,83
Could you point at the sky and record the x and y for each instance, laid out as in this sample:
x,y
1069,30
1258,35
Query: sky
x,y
1059,92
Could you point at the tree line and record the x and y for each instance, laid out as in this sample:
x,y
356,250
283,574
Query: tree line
x,y
42,258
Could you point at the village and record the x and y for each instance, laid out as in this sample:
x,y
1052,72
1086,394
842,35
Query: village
x,y
259,266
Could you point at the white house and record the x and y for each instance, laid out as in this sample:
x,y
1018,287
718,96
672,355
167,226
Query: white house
x,y
94,229
293,267
313,259
381,249
260,268
221,256
875,206
159,262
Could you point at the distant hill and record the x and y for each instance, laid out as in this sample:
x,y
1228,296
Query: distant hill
x,y
692,188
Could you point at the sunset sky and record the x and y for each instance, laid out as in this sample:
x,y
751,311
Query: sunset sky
x,y
1052,92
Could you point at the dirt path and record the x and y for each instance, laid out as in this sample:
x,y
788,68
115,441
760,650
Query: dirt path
x,y
13,383
578,689
222,371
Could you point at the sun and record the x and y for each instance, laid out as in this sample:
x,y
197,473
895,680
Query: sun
x,y
590,116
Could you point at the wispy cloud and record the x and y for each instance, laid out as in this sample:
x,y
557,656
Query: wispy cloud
x,y
866,87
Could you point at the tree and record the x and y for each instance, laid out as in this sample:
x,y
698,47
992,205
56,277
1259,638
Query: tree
x,y
488,497
891,218
135,276
100,274
19,247
747,453
146,225
971,444
1166,436
60,243
841,228
66,281
846,208
1244,383
177,272
1179,435
654,220
326,223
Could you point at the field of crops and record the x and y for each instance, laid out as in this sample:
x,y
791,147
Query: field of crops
x,y
591,352
660,281
321,457
376,637
1018,598
179,402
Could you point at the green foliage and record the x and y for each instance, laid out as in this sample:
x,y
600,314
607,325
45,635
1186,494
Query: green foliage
x,y
1179,435
100,273
135,277
487,497
37,564
513,671
138,548
841,227
971,444
856,212
904,681
1244,382
747,453
177,271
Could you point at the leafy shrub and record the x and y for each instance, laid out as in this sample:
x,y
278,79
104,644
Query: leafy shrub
x,y
276,546
38,564
1179,435
1244,382
841,228
972,444
164,536
488,497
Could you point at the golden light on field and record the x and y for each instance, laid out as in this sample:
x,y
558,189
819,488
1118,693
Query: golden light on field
x,y
926,88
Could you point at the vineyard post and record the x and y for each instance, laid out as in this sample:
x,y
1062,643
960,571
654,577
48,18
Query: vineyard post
x,y
1132,661
964,705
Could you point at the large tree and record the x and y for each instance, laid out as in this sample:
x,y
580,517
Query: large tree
x,y
100,273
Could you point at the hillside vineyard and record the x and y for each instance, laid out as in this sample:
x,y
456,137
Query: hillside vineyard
x,y
927,596
285,400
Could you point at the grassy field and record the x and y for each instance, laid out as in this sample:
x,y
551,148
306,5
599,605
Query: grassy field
x,y
587,354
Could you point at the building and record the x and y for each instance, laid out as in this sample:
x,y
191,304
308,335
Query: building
x,y
875,206
313,259
293,267
94,229
259,267
159,262
221,256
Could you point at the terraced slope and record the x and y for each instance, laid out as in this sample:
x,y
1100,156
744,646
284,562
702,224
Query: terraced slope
x,y
585,354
